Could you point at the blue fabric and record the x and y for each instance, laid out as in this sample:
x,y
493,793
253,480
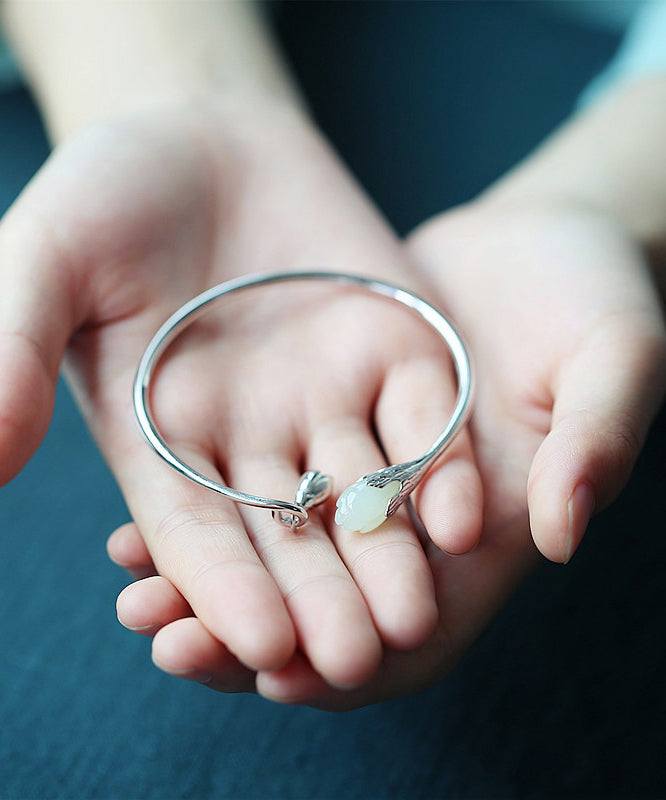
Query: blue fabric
x,y
563,697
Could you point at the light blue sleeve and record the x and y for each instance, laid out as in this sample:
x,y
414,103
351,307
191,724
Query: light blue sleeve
x,y
10,75
641,54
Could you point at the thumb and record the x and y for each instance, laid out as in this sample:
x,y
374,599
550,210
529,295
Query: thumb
x,y
604,401
36,321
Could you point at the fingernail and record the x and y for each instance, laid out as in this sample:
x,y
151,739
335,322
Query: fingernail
x,y
192,675
139,628
189,674
580,507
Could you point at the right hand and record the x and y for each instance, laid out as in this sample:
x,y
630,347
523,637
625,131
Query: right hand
x,y
124,224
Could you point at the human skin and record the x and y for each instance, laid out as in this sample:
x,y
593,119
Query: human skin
x,y
540,427
131,217
570,359
170,191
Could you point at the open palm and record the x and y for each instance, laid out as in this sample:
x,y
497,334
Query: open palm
x,y
122,226
568,342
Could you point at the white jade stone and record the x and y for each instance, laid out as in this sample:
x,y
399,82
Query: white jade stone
x,y
363,508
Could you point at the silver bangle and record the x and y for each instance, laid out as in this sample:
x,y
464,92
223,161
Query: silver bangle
x,y
367,503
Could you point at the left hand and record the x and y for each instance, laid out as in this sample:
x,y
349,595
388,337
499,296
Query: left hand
x,y
568,340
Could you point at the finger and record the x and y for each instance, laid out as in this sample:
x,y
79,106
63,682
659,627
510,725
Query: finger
x,y
198,541
401,673
185,649
297,683
416,400
387,564
332,620
37,317
126,548
605,400
471,592
149,604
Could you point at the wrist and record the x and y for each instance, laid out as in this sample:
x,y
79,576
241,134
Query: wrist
x,y
608,160
91,62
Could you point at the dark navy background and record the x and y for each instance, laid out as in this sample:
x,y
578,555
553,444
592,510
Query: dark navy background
x,y
563,697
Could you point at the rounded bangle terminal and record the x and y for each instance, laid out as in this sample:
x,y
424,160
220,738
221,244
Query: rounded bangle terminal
x,y
367,503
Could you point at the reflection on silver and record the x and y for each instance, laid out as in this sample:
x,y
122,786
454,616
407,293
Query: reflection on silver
x,y
314,487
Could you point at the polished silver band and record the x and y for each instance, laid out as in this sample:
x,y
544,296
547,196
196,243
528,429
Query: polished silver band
x,y
314,487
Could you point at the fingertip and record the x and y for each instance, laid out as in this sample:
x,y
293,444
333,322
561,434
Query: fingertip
x,y
126,548
580,508
548,510
184,648
558,525
411,629
131,615
149,604
348,673
27,396
266,643
450,505
296,683
299,684
561,487
558,514
265,653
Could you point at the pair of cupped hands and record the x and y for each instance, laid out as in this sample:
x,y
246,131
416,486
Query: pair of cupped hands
x,y
131,218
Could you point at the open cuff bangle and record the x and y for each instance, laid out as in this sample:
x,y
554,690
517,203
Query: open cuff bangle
x,y
367,503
